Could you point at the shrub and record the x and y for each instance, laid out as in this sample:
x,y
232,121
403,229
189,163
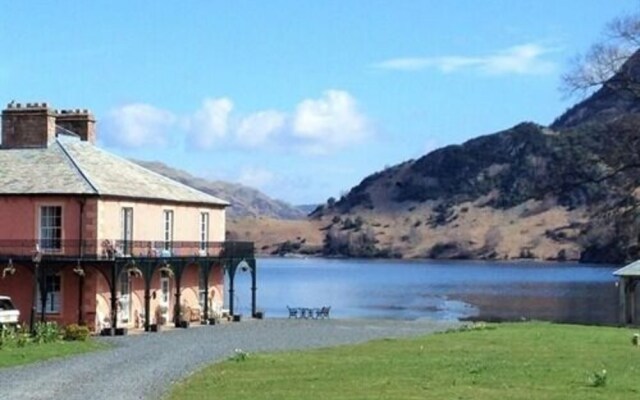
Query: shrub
x,y
75,332
46,332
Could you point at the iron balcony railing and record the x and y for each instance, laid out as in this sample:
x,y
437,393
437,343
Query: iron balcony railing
x,y
107,249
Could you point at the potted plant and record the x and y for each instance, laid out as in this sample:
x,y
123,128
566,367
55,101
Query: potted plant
x,y
185,316
214,317
160,314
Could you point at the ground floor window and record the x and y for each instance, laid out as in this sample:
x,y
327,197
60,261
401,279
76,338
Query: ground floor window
x,y
54,299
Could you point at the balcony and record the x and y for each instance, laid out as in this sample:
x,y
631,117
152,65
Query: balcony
x,y
111,249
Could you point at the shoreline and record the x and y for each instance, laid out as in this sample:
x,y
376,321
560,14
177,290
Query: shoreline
x,y
296,256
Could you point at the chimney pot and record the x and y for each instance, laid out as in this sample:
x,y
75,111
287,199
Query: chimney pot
x,y
18,105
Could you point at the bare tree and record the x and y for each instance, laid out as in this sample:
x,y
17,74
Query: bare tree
x,y
604,64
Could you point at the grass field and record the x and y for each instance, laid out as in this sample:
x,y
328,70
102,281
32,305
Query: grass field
x,y
12,355
506,361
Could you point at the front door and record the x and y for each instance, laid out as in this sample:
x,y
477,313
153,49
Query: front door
x,y
165,295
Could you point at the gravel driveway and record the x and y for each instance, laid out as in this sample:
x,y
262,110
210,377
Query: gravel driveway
x,y
144,366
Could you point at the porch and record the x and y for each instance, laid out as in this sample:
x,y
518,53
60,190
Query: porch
x,y
26,266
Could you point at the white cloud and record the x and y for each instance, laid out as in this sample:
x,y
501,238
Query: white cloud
x,y
209,124
525,59
317,126
258,128
137,125
254,177
330,122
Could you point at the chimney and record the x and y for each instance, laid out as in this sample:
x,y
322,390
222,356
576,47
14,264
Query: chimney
x,y
28,126
80,122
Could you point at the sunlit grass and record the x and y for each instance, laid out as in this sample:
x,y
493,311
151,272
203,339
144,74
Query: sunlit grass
x,y
508,361
13,355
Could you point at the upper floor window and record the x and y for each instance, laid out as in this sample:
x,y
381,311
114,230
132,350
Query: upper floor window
x,y
127,230
168,229
204,230
51,228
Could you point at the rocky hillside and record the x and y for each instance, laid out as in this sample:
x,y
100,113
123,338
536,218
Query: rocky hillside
x,y
245,201
568,191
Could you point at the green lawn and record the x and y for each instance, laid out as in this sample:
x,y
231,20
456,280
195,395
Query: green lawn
x,y
506,361
12,355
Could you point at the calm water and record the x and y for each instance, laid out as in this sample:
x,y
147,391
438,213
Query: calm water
x,y
434,289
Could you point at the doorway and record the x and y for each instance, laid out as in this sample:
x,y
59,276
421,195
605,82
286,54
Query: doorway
x,y
165,296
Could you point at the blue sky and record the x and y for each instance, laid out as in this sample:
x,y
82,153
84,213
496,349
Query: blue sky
x,y
300,99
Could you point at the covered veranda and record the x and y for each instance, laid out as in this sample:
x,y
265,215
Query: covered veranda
x,y
141,261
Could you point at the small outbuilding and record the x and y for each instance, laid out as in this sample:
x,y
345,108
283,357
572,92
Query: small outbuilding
x,y
628,278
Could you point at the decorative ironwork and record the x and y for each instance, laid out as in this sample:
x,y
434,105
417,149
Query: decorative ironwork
x,y
145,259
107,249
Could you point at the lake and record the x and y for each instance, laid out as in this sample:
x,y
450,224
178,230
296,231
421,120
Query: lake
x,y
444,290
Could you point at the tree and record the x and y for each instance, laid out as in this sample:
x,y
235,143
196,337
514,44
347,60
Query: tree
x,y
613,64
604,64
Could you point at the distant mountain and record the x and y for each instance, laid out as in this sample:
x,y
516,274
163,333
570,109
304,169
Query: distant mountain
x,y
307,208
570,191
245,201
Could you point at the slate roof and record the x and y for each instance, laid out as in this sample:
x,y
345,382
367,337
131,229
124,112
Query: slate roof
x,y
632,269
71,166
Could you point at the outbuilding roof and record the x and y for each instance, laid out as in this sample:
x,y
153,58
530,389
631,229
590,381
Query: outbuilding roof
x,y
71,166
632,269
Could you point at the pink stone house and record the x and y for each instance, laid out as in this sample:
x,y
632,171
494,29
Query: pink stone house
x,y
88,237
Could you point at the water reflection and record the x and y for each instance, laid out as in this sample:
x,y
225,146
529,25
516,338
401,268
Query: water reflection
x,y
433,289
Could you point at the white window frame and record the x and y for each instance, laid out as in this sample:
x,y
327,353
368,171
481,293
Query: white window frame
x,y
126,231
204,230
50,243
54,298
168,222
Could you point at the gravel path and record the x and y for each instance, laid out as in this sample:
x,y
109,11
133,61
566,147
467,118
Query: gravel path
x,y
144,366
